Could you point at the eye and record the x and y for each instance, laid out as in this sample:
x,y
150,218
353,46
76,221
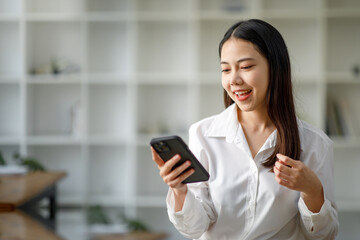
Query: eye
x,y
225,70
247,67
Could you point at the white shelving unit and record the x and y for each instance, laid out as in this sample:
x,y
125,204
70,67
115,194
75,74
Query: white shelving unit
x,y
135,69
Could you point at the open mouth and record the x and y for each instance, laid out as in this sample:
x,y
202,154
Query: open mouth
x,y
243,94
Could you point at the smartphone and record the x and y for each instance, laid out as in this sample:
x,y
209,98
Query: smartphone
x,y
169,146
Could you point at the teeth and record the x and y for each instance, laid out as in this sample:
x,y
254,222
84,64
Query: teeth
x,y
242,92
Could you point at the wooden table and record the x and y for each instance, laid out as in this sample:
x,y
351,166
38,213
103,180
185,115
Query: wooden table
x,y
19,193
18,225
18,189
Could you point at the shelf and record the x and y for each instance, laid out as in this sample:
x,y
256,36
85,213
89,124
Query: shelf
x,y
107,116
149,183
351,205
9,17
343,13
150,201
105,140
210,35
155,6
346,142
108,78
280,14
53,17
108,175
174,16
343,111
10,7
53,140
162,108
53,7
108,17
343,78
306,61
164,35
54,79
59,102
156,78
109,6
143,140
307,102
347,51
10,48
62,45
211,100
108,48
6,141
336,5
9,79
10,119
225,7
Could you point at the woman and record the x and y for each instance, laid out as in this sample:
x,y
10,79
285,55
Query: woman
x,y
270,173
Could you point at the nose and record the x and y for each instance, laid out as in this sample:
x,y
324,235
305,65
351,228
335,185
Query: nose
x,y
235,78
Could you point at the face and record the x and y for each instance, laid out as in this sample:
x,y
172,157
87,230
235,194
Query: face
x,y
245,74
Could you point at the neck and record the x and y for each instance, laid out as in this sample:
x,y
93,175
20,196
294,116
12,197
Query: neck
x,y
255,121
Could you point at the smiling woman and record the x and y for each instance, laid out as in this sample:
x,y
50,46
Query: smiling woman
x,y
270,173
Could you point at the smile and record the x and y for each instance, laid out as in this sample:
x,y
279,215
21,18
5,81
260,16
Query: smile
x,y
241,93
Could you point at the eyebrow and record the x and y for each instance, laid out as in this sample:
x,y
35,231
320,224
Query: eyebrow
x,y
239,61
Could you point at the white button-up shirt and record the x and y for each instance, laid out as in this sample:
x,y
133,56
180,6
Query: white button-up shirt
x,y
242,199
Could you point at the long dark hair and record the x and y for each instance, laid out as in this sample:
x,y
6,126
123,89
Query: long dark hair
x,y
280,103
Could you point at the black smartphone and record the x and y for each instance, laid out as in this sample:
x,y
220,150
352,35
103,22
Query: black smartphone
x,y
169,146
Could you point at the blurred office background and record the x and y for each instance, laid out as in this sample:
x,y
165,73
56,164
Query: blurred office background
x,y
85,85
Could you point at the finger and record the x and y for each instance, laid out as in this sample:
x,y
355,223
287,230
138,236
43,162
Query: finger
x,y
282,182
168,166
286,160
283,168
280,174
179,170
181,178
157,159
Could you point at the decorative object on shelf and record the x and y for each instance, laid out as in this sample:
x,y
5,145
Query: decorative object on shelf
x,y
356,70
234,6
56,66
339,119
10,169
76,119
32,164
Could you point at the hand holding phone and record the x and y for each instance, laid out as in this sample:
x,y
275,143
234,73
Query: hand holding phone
x,y
168,147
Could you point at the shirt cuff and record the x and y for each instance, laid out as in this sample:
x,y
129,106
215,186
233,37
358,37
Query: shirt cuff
x,y
314,222
177,217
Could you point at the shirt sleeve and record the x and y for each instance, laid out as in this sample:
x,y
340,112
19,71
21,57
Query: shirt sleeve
x,y
324,224
198,211
196,215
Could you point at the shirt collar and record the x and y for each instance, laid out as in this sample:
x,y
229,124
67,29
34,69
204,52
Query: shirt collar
x,y
226,125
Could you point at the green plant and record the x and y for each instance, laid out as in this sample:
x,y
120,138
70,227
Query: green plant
x,y
31,163
134,225
96,214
